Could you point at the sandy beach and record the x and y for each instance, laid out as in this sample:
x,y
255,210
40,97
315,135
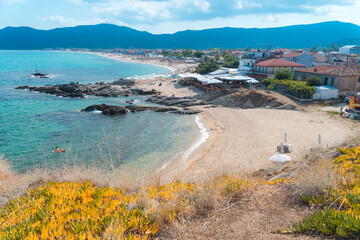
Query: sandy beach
x,y
174,67
243,140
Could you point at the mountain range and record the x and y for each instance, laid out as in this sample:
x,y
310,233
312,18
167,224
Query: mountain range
x,y
108,36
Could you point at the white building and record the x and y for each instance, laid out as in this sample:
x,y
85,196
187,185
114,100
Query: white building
x,y
350,49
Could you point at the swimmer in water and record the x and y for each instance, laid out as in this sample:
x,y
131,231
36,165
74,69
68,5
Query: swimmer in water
x,y
59,150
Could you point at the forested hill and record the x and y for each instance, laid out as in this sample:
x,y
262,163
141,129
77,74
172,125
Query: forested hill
x,y
112,36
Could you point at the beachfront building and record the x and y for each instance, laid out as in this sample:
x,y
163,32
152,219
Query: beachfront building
x,y
267,69
300,57
350,49
205,83
344,78
237,81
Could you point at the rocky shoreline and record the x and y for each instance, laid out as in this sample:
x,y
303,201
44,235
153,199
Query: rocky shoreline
x,y
239,98
120,87
120,110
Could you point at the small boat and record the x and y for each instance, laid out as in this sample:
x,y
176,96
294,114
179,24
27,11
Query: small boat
x,y
40,75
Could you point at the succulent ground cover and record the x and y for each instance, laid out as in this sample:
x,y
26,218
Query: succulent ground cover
x,y
81,210
340,214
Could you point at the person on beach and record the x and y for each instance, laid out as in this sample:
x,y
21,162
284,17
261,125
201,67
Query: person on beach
x,y
59,150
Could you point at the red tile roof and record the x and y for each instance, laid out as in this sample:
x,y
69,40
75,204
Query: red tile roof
x,y
279,62
292,55
330,70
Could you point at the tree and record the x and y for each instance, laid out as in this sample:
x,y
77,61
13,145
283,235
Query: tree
x,y
314,81
187,53
207,67
334,47
198,54
284,73
313,49
231,61
165,53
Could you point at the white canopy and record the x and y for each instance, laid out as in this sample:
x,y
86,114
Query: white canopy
x,y
239,78
205,80
280,158
253,81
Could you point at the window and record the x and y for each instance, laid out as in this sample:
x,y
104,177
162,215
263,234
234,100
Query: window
x,y
332,81
326,81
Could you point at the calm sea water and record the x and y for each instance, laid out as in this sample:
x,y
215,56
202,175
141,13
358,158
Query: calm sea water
x,y
33,124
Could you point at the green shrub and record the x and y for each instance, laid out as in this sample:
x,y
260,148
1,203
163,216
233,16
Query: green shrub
x,y
206,67
283,74
297,89
231,61
314,81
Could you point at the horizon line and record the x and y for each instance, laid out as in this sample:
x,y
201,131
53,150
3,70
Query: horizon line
x,y
113,24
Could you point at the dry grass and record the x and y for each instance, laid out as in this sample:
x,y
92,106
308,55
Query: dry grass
x,y
316,178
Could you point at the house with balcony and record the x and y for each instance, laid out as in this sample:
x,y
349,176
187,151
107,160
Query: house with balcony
x,y
267,69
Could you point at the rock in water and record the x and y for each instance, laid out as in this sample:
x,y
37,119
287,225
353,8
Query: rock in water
x,y
107,109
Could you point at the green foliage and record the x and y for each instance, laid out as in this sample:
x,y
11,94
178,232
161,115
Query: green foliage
x,y
341,205
231,61
187,53
313,49
165,53
314,81
297,89
266,82
206,67
334,47
284,73
198,54
330,223
210,59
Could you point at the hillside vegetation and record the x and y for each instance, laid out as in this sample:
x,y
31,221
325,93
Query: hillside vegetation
x,y
107,36
83,210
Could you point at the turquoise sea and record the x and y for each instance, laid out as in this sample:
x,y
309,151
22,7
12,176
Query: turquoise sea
x,y
32,124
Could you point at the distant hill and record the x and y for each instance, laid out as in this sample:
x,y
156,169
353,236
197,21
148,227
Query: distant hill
x,y
113,36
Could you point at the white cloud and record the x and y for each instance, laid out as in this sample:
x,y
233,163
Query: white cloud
x,y
12,1
60,21
271,18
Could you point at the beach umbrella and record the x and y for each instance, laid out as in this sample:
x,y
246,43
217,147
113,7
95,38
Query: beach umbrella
x,y
280,158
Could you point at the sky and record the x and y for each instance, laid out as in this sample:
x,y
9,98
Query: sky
x,y
169,16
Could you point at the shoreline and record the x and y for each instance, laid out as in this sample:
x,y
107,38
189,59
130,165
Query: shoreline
x,y
242,140
191,153
154,62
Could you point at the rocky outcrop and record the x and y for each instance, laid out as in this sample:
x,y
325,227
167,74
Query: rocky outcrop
x,y
176,101
107,109
119,110
76,90
245,98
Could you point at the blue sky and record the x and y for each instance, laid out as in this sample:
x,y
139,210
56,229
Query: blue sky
x,y
168,16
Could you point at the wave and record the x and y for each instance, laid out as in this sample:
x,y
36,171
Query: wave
x,y
204,135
